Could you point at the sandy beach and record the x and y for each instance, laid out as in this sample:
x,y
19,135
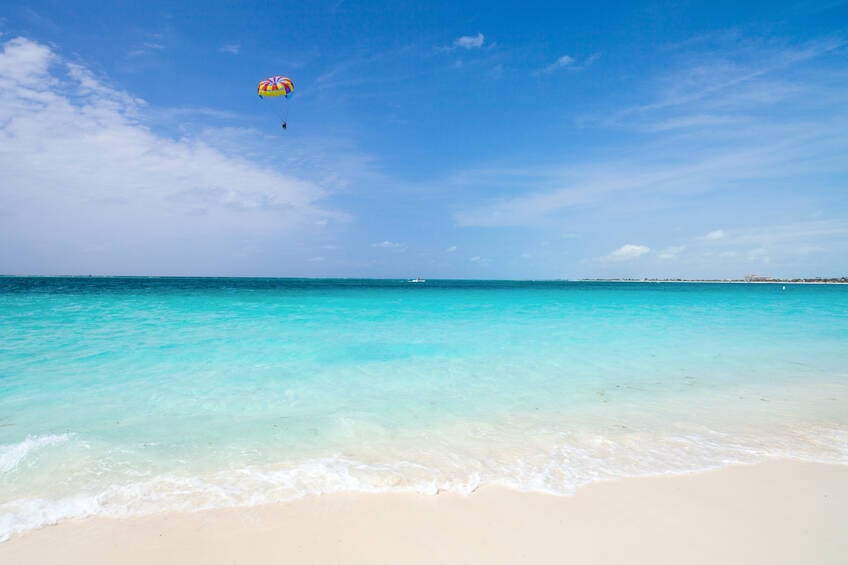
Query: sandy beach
x,y
775,512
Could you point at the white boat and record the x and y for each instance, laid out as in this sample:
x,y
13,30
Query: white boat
x,y
417,280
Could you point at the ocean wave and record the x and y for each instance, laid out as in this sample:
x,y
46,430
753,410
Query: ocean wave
x,y
11,455
561,470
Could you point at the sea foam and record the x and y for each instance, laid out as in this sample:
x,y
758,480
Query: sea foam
x,y
560,470
11,455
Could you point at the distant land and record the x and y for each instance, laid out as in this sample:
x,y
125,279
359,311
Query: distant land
x,y
747,279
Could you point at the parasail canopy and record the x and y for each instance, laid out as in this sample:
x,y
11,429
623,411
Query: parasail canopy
x,y
276,86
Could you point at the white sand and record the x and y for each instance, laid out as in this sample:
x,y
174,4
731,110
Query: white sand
x,y
777,512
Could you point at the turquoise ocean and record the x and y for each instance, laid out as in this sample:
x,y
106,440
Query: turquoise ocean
x,y
127,396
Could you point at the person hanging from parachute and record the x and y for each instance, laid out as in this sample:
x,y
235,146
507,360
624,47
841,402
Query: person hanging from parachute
x,y
277,86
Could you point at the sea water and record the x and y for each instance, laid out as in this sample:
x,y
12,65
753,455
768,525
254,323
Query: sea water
x,y
123,396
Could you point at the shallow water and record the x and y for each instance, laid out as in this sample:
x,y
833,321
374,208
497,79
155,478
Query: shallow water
x,y
134,395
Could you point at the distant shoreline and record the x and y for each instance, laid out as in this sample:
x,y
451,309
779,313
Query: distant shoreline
x,y
724,281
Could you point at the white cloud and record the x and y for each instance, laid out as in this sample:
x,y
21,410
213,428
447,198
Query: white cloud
x,y
470,41
25,62
230,48
776,153
78,160
451,249
715,126
570,63
718,87
390,245
626,252
788,236
480,260
713,236
672,252
786,244
562,62
709,126
145,48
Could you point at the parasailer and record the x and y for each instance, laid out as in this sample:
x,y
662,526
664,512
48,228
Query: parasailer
x,y
279,87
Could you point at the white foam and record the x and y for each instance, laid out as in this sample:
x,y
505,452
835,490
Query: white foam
x,y
574,460
30,514
12,454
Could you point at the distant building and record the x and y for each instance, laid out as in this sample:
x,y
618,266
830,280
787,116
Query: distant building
x,y
757,278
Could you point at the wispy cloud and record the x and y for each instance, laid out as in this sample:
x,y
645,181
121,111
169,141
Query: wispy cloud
x,y
230,48
359,68
103,171
469,41
627,252
713,235
592,183
393,245
788,246
567,62
671,252
561,63
701,139
451,249
779,235
737,76
146,48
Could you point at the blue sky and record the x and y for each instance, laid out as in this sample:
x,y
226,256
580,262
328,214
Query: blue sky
x,y
473,139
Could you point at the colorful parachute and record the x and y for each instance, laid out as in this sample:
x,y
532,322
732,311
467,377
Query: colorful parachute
x,y
276,86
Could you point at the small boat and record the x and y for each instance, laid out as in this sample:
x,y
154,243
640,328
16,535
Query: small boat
x,y
417,280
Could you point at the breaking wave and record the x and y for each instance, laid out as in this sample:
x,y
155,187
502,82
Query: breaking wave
x,y
560,470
